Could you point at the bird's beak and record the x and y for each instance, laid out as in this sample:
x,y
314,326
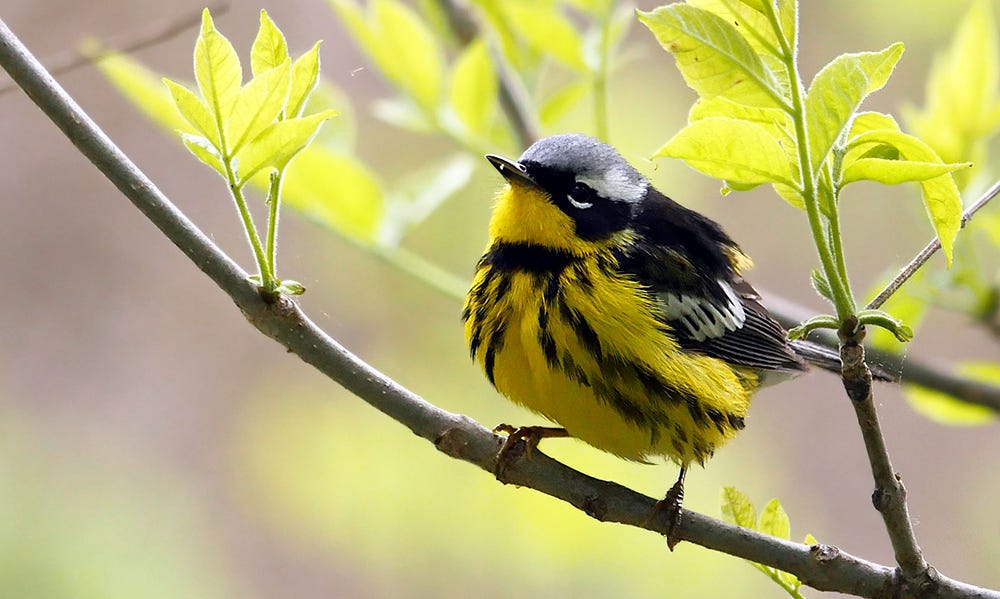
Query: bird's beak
x,y
512,171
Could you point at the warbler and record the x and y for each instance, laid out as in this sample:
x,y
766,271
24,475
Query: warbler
x,y
610,309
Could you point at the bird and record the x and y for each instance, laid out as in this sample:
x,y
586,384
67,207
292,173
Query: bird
x,y
615,312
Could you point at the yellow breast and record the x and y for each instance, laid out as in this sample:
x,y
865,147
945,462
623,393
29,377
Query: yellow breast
x,y
581,345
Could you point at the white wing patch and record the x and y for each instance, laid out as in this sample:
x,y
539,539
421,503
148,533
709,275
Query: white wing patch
x,y
702,318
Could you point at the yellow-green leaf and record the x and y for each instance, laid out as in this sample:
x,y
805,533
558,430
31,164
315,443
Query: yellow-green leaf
x,y
473,90
940,194
962,107
777,122
712,56
194,110
145,90
408,52
732,150
305,76
946,409
546,30
205,151
217,69
774,520
810,540
894,172
837,91
750,20
269,48
258,105
871,121
562,101
334,190
279,143
738,509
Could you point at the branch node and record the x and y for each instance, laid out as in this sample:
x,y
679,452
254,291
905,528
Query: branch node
x,y
456,442
595,507
824,553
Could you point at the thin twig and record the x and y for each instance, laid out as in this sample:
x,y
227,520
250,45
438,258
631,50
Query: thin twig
x,y
156,33
821,566
924,255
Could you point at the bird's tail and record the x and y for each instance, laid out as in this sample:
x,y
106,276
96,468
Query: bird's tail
x,y
829,359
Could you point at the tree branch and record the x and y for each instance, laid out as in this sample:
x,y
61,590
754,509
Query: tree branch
x,y
821,566
912,370
889,496
924,255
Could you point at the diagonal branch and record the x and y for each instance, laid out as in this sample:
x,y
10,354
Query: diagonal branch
x,y
821,566
929,250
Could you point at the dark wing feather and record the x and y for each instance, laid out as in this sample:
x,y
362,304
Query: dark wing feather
x,y
685,261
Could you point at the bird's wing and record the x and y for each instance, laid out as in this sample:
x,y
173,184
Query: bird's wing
x,y
720,316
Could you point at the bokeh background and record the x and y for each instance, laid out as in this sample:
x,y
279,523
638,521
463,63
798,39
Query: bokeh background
x,y
154,445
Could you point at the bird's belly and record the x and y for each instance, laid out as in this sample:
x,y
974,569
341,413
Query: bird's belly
x,y
601,367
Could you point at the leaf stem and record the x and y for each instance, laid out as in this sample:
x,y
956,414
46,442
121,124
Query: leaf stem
x,y
841,296
273,204
236,191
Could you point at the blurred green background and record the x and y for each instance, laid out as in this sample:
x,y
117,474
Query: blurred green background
x,y
154,445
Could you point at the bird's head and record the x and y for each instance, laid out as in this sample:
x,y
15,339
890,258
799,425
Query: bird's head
x,y
568,192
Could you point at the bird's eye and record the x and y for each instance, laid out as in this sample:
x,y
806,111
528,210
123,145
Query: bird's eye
x,y
581,197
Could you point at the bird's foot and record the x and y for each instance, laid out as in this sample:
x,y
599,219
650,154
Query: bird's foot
x,y
521,440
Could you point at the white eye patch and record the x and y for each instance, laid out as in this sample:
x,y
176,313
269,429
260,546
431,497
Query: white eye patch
x,y
615,184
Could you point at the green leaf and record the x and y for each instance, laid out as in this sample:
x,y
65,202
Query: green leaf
x,y
943,408
290,287
269,48
962,109
821,321
713,57
334,190
738,509
401,44
884,320
546,30
562,101
258,105
305,77
217,69
749,19
732,150
864,122
403,113
774,520
204,150
821,285
473,89
421,193
837,91
883,151
279,143
777,122
408,52
145,90
893,171
810,540
940,194
194,110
